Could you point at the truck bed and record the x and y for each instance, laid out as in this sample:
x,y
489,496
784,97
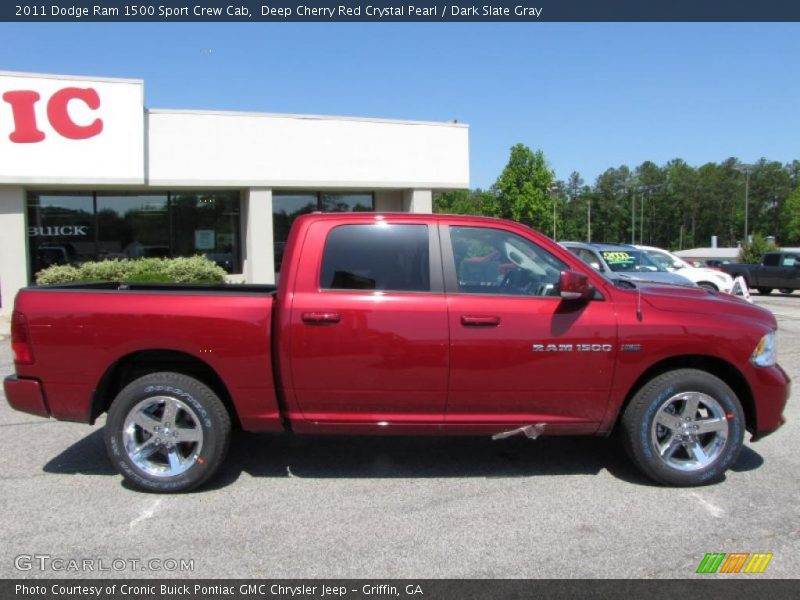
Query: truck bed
x,y
89,337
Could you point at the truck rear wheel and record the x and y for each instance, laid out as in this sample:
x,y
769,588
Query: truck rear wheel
x,y
786,291
684,428
764,291
167,432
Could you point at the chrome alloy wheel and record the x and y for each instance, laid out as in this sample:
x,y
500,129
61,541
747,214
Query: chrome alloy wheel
x,y
689,431
162,436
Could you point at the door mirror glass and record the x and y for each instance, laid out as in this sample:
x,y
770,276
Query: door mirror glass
x,y
574,286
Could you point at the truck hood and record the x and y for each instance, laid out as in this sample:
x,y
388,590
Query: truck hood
x,y
675,298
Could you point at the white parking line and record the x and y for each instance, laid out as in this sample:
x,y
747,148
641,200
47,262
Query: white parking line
x,y
147,513
713,509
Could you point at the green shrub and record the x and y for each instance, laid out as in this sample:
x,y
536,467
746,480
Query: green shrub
x,y
196,269
752,252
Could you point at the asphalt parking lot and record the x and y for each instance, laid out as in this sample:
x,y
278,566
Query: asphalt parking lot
x,y
399,507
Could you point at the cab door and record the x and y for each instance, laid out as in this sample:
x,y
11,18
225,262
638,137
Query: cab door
x,y
519,354
368,340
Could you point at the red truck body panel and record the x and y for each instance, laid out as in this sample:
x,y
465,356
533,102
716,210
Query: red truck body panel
x,y
78,336
359,360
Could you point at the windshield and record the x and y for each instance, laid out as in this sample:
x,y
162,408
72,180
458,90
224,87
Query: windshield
x,y
666,261
629,261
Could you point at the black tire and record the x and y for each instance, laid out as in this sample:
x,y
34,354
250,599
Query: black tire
x,y
139,414
764,291
708,286
786,291
641,433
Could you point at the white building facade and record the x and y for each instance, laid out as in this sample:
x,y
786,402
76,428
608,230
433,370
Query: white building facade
x,y
87,172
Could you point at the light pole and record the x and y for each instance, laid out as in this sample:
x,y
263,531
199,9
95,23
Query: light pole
x,y
553,189
589,219
746,169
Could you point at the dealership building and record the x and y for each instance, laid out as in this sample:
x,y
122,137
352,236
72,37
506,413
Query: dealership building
x,y
87,173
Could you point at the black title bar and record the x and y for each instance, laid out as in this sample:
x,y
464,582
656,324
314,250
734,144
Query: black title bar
x,y
390,589
249,11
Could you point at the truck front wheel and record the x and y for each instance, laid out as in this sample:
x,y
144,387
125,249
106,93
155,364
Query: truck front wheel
x,y
167,432
684,428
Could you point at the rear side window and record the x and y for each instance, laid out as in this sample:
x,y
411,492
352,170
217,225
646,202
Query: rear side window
x,y
377,257
771,260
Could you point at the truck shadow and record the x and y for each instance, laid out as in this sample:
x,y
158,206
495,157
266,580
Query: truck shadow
x,y
346,457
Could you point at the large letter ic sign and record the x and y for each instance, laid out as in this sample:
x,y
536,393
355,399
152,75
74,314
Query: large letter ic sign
x,y
25,129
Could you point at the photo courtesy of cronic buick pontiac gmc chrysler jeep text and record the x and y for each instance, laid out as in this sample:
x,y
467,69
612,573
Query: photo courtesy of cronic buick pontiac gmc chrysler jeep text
x,y
402,323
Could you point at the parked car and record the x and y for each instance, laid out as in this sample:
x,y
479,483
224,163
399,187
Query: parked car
x,y
715,263
779,270
711,279
621,261
401,324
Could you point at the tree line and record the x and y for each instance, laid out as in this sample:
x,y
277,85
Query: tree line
x,y
673,206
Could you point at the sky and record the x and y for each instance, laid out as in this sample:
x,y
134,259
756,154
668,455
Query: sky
x,y
591,96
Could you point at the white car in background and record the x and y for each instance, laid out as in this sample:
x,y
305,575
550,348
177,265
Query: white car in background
x,y
711,279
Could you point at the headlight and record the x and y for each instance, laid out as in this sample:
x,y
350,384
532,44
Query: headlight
x,y
765,354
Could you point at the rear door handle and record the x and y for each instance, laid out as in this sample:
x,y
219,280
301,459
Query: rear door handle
x,y
321,318
480,320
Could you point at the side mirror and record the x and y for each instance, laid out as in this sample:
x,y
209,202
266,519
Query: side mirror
x,y
574,286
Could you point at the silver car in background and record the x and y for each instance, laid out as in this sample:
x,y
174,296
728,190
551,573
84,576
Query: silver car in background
x,y
621,261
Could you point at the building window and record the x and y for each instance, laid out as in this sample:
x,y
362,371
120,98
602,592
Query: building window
x,y
132,226
61,230
207,223
287,206
74,228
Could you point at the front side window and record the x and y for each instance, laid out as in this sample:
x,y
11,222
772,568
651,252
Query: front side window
x,y
492,261
377,257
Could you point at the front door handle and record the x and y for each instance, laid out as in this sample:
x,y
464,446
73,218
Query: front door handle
x,y
480,320
321,318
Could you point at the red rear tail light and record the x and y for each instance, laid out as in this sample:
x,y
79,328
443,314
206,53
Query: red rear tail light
x,y
21,339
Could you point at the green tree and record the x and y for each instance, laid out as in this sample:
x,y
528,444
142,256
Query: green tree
x,y
523,189
465,202
791,211
611,206
752,252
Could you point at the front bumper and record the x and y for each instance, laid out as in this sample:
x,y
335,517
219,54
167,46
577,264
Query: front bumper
x,y
26,395
771,388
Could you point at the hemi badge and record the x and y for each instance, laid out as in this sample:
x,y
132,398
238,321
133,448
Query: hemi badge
x,y
631,347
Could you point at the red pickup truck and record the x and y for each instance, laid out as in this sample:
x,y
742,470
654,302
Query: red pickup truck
x,y
402,324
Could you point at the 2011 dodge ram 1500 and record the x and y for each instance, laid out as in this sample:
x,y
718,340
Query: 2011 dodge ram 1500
x,y
400,323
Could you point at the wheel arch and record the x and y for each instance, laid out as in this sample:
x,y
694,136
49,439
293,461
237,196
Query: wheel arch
x,y
143,362
710,364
